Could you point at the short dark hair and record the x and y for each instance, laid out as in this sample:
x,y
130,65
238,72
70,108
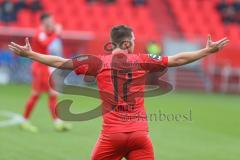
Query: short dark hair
x,y
120,33
44,16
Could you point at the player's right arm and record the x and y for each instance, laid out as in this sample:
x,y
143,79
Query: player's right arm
x,y
49,60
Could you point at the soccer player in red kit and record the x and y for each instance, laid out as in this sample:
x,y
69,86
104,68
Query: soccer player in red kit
x,y
120,78
43,38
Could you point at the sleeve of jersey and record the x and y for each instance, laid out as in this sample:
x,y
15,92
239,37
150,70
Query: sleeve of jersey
x,y
79,68
88,65
155,62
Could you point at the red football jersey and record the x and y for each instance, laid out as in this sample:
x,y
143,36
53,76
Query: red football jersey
x,y
40,72
121,82
41,42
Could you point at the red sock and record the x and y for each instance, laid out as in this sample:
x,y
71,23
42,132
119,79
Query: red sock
x,y
29,106
52,102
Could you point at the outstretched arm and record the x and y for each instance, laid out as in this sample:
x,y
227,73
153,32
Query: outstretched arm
x,y
49,60
189,57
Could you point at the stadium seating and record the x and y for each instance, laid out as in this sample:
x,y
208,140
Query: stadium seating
x,y
195,18
79,15
198,18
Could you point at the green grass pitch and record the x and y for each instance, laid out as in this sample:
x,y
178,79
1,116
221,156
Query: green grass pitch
x,y
213,133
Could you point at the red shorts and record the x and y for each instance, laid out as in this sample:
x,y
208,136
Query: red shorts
x,y
40,79
133,146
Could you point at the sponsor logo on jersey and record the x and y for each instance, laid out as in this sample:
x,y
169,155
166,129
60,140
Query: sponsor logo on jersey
x,y
42,36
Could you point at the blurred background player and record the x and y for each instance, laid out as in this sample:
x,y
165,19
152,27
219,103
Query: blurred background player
x,y
43,40
153,48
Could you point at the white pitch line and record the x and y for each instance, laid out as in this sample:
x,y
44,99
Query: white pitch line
x,y
13,119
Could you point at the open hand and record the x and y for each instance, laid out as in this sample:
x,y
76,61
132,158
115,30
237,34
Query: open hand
x,y
216,46
23,51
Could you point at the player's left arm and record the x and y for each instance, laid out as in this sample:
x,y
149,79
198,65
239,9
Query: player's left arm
x,y
189,57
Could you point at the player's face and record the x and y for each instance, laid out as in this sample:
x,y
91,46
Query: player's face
x,y
49,24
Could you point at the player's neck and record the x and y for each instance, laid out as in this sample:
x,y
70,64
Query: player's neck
x,y
118,50
44,29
